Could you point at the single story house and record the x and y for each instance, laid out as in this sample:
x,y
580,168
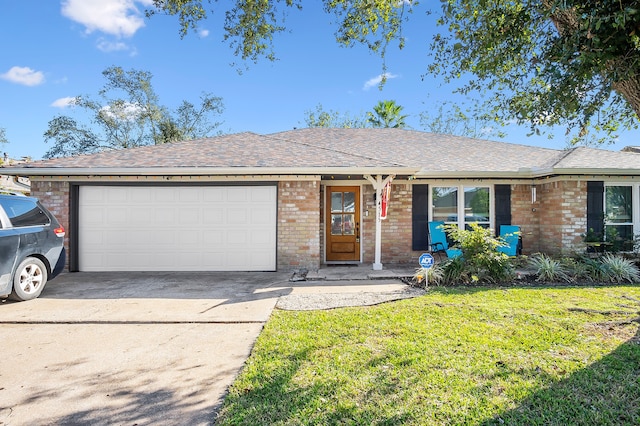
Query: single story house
x,y
306,197
14,184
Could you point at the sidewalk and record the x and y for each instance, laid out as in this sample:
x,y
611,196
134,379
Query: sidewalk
x,y
360,271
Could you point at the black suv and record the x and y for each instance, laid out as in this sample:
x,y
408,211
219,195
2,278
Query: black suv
x,y
31,247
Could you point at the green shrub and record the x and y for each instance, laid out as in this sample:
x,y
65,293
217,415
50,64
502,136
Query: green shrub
x,y
580,268
617,269
435,275
548,269
482,262
455,272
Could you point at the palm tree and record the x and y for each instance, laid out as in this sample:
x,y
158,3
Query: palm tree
x,y
387,114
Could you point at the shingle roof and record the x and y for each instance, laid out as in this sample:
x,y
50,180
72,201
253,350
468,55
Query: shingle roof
x,y
321,150
240,150
595,159
430,152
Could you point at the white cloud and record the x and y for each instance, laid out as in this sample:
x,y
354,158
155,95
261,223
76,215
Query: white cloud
x,y
23,75
203,33
115,46
125,111
120,18
64,102
376,80
111,46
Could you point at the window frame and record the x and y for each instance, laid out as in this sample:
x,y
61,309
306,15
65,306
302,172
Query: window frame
x,y
635,207
460,187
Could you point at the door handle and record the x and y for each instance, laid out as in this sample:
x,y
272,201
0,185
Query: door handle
x,y
357,232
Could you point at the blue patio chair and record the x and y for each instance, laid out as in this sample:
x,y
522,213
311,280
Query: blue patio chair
x,y
511,235
438,240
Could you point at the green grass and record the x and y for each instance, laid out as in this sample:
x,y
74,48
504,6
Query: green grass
x,y
480,356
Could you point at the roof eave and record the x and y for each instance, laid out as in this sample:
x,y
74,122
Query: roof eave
x,y
200,171
527,173
596,171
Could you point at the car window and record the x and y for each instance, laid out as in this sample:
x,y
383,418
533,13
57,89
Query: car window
x,y
24,212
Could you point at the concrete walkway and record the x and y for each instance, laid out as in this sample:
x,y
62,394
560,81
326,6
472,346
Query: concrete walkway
x,y
148,348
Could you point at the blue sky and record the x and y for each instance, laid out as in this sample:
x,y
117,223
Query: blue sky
x,y
55,50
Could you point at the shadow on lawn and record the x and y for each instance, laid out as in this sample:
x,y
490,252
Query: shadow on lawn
x,y
606,392
279,400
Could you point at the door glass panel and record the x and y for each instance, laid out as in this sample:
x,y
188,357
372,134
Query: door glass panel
x,y
336,224
348,224
336,201
349,202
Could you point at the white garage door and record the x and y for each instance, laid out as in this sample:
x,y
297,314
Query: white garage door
x,y
184,228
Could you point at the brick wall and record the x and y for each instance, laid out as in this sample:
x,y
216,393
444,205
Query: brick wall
x,y
555,222
396,228
525,214
55,197
299,225
563,215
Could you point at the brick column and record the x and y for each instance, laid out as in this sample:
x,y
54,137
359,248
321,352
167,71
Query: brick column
x,y
299,225
54,195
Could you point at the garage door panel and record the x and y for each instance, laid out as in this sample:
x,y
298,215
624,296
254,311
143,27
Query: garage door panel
x,y
239,195
174,228
184,218
189,195
261,239
118,195
213,238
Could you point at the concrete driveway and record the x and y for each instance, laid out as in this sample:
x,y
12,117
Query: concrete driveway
x,y
137,348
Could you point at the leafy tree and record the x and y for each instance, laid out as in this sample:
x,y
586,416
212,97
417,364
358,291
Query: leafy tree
x,y
450,119
387,114
127,114
250,26
545,63
332,119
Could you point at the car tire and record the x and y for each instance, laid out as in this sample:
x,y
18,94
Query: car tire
x,y
29,279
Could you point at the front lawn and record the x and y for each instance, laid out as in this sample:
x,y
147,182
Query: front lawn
x,y
480,356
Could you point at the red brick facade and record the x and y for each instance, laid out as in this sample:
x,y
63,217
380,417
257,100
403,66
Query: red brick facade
x,y
299,225
55,197
551,223
396,231
555,221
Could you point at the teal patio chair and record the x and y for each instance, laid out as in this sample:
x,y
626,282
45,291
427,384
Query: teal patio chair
x,y
438,240
511,235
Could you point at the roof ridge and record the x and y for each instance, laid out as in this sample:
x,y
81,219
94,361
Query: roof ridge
x,y
564,154
271,136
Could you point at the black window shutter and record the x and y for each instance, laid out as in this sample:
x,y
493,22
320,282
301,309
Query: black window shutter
x,y
420,217
595,207
502,206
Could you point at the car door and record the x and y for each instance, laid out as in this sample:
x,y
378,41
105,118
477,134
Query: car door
x,y
9,243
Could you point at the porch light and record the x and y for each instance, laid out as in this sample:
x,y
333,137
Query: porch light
x,y
534,196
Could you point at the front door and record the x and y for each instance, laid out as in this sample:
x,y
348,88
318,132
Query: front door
x,y
343,223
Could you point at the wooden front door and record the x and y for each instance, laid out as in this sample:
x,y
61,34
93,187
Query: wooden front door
x,y
342,223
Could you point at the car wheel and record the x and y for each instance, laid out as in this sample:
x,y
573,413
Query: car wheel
x,y
29,279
